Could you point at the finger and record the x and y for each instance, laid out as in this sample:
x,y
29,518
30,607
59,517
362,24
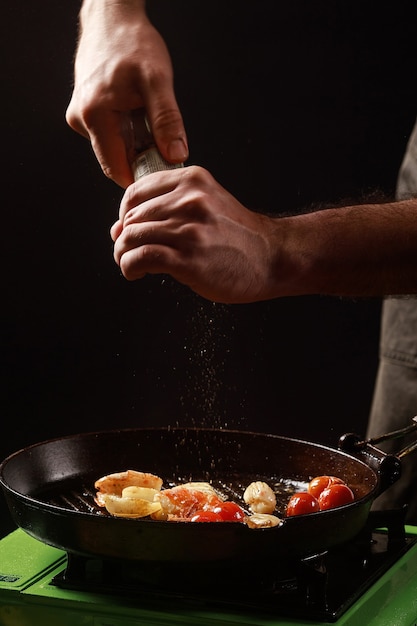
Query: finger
x,y
105,130
167,125
150,259
147,188
136,236
151,233
109,145
116,230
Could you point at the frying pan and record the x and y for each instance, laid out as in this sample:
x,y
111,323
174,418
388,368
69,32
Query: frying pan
x,y
49,489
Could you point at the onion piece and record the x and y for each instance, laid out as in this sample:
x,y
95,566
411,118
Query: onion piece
x,y
122,506
262,520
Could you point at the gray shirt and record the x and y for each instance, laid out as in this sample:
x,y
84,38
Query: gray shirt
x,y
395,395
407,179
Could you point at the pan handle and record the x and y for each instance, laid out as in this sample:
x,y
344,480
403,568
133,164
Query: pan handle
x,y
395,434
387,466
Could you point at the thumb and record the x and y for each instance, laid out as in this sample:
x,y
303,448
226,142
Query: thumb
x,y
168,129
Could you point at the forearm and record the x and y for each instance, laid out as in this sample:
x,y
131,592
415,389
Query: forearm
x,y
364,250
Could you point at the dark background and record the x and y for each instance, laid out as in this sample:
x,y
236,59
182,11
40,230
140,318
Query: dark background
x,y
289,105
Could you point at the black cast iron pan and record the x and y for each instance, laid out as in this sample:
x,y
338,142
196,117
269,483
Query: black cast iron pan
x,y
49,488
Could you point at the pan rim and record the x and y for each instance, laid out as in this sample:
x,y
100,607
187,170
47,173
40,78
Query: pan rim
x,y
53,508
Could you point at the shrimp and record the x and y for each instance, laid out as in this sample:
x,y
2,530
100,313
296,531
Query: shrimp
x,y
113,484
260,497
181,502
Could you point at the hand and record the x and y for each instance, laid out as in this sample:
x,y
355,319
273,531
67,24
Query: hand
x,y
183,223
122,64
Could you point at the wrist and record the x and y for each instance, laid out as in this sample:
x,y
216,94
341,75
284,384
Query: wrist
x,y
295,256
90,8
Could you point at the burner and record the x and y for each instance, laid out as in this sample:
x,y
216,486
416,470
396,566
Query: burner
x,y
321,587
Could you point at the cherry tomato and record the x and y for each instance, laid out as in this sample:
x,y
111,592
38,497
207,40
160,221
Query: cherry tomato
x,y
302,503
230,512
206,516
335,495
319,483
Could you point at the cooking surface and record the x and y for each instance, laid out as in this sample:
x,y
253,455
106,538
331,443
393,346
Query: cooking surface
x,y
31,592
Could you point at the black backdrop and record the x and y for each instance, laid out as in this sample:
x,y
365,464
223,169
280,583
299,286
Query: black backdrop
x,y
288,104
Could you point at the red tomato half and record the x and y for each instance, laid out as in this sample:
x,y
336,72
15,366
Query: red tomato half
x,y
302,503
335,495
206,516
320,483
230,512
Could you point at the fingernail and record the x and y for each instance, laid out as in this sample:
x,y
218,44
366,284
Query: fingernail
x,y
177,151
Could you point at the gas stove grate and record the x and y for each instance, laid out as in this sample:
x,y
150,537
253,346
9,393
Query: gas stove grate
x,y
318,588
